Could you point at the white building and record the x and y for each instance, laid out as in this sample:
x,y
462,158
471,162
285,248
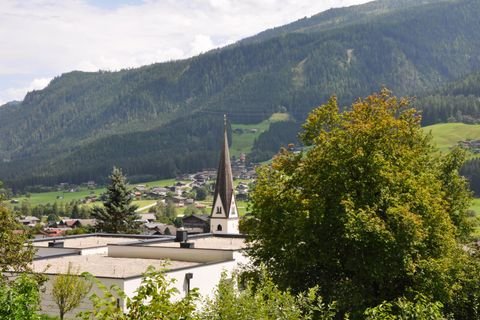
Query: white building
x,y
121,261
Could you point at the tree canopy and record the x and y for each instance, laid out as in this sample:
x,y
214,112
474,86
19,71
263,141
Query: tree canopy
x,y
369,213
20,299
15,252
118,213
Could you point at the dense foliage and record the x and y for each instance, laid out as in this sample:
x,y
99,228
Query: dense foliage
x,y
268,144
15,253
263,300
20,299
72,209
238,297
118,213
156,298
421,308
164,118
369,213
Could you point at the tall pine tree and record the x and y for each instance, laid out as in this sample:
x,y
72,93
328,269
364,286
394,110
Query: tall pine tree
x,y
118,213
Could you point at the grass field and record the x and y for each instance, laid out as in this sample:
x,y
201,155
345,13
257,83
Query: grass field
x,y
243,142
447,135
476,205
242,207
58,196
65,196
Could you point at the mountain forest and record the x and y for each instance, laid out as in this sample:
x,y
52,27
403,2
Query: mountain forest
x,y
166,118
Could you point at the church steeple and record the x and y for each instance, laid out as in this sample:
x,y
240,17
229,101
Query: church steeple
x,y
224,216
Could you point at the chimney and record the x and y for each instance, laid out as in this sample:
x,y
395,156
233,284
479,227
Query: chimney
x,y
182,235
55,244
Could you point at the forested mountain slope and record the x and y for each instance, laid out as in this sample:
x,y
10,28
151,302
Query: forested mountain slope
x,y
458,101
164,118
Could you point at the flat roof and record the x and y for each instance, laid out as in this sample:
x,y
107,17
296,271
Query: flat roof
x,y
87,242
104,266
211,242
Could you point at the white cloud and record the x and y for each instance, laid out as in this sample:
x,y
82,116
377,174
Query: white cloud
x,y
201,43
41,38
18,94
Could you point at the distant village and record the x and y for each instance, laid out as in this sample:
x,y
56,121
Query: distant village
x,y
470,145
180,195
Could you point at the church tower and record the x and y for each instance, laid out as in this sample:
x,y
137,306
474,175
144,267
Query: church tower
x,y
224,216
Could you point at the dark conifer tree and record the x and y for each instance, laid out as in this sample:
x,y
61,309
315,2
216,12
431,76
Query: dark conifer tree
x,y
117,214
75,211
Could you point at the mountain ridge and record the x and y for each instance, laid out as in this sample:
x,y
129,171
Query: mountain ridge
x,y
83,123
338,17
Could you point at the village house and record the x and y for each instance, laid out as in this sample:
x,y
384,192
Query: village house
x,y
196,223
157,228
74,223
29,221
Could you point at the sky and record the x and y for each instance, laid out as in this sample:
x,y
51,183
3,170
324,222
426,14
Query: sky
x,y
41,39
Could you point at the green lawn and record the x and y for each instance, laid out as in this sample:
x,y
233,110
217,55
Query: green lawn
x,y
64,196
447,135
476,206
58,196
242,207
143,203
243,142
157,183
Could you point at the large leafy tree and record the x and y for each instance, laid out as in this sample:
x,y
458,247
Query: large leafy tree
x,y
15,252
118,213
242,300
369,212
19,298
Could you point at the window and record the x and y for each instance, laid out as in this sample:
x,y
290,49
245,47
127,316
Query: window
x,y
219,227
219,210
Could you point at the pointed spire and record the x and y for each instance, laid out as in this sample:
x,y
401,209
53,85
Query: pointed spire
x,y
224,184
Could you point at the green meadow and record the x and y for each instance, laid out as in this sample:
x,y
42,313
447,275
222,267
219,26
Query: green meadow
x,y
243,142
59,196
66,196
447,135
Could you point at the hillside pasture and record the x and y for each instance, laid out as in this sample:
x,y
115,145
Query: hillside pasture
x,y
447,135
244,135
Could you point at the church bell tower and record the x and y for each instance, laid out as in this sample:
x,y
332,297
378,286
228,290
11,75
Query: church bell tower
x,y
224,216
